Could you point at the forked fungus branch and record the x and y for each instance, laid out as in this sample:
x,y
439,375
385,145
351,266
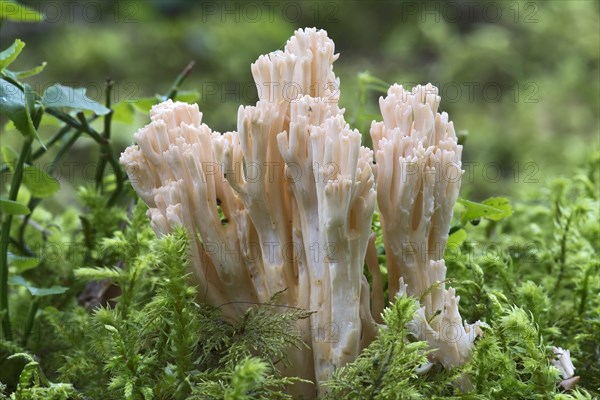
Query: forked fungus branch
x,y
286,202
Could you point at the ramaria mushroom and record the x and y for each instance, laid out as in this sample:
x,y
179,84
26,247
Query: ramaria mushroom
x,y
297,190
567,370
418,179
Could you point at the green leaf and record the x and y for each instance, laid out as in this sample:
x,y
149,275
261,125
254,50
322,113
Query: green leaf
x,y
10,54
187,96
37,292
365,79
457,238
64,97
144,104
9,156
12,367
499,203
39,182
23,356
22,263
123,112
13,207
17,75
13,11
17,106
479,210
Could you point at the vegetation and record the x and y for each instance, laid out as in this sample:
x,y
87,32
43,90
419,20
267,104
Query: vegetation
x,y
94,306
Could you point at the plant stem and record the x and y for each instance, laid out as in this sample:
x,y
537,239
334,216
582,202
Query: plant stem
x,y
35,305
73,123
562,260
382,371
179,80
57,136
83,125
107,150
106,135
34,202
5,238
584,291
50,143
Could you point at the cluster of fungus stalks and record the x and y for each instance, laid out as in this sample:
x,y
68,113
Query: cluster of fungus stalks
x,y
285,203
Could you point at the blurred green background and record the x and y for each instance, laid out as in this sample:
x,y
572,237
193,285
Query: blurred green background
x,y
521,78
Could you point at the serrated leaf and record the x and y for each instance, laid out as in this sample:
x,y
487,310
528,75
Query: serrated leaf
x,y
39,182
13,11
37,292
63,97
17,105
13,208
12,52
500,203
